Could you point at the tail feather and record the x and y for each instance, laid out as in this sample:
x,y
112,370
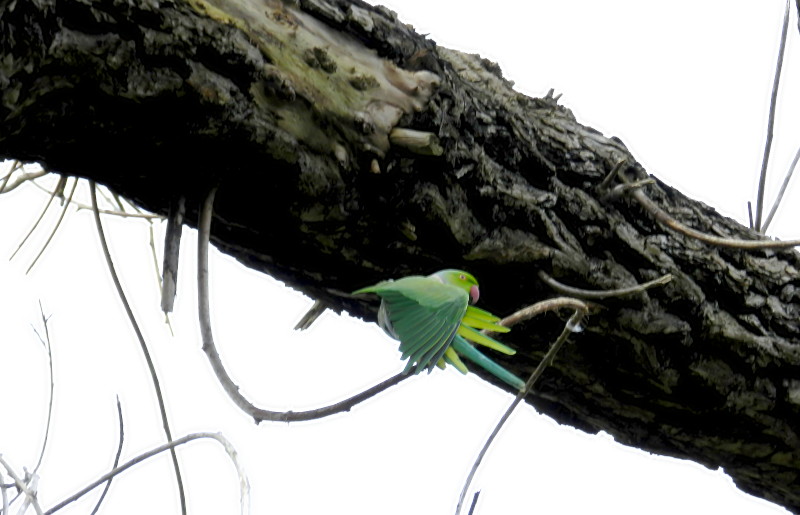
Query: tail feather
x,y
468,351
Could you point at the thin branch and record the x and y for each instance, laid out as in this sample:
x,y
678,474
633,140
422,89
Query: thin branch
x,y
55,228
785,184
243,481
61,179
3,494
771,121
608,179
602,294
572,325
16,165
635,190
172,248
23,178
156,384
121,214
46,343
154,254
22,487
474,503
311,316
542,307
116,458
662,216
204,314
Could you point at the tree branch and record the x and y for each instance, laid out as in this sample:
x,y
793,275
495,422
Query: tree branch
x,y
289,108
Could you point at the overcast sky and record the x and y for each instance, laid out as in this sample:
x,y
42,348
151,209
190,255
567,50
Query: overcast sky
x,y
684,84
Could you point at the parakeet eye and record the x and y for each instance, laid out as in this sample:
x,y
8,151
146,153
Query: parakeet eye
x,y
462,277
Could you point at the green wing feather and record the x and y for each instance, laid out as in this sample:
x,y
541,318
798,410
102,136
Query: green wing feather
x,y
425,316
482,319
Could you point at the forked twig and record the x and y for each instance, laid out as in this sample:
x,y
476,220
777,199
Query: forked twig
x,y
21,179
662,217
154,376
16,165
116,458
61,179
55,228
572,325
121,214
210,349
602,294
771,121
244,483
22,487
46,343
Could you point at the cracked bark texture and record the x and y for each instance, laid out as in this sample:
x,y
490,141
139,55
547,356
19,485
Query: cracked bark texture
x,y
288,107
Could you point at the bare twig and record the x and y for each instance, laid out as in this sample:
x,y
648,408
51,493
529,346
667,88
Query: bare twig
x,y
46,343
474,503
21,179
3,494
55,228
156,384
30,496
602,294
662,216
572,325
542,307
16,165
172,248
210,349
243,481
311,316
121,214
785,184
61,179
612,174
116,458
771,121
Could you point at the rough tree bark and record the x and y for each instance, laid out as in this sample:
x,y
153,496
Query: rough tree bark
x,y
288,107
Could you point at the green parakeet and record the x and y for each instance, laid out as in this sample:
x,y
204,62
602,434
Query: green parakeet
x,y
433,318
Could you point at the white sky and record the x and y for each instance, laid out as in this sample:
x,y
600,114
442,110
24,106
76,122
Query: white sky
x,y
684,84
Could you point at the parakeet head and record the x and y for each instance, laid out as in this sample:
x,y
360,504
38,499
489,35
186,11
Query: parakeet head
x,y
460,279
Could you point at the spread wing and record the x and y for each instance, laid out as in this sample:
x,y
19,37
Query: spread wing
x,y
423,314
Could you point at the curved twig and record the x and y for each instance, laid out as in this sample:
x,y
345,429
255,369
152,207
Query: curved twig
x,y
156,384
662,216
773,100
46,343
61,179
602,294
542,307
116,458
571,326
210,349
121,214
244,482
23,178
55,228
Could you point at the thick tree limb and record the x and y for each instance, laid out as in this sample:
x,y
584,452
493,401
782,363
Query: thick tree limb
x,y
289,107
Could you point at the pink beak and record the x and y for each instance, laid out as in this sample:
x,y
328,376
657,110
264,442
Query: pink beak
x,y
474,294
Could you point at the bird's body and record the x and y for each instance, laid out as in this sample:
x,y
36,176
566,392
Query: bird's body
x,y
433,319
